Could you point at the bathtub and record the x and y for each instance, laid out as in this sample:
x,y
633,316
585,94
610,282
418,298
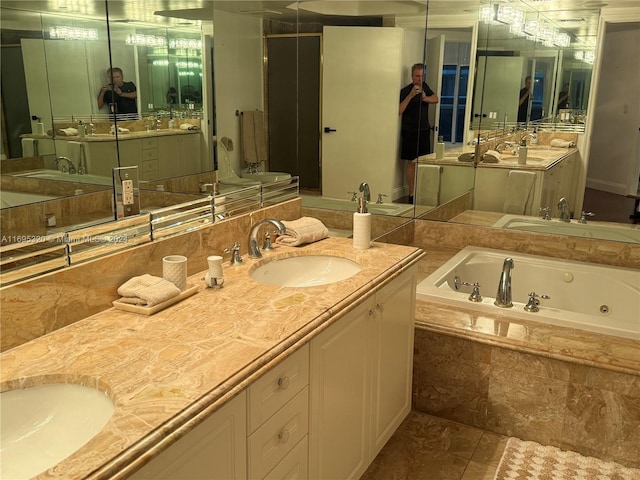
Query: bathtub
x,y
585,296
601,230
15,199
67,177
313,201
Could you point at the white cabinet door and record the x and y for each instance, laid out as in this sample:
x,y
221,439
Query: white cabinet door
x,y
214,450
168,165
189,154
339,383
360,381
392,357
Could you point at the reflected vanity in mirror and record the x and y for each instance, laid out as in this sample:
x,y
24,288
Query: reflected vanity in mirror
x,y
192,56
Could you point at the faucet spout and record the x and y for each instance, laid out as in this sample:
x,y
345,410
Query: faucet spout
x,y
563,206
503,297
366,193
72,167
254,248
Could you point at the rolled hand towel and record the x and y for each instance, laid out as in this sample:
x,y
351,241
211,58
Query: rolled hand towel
x,y
491,156
120,130
188,126
466,157
301,231
558,142
68,131
147,290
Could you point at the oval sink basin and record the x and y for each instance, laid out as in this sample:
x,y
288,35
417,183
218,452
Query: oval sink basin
x,y
305,271
42,425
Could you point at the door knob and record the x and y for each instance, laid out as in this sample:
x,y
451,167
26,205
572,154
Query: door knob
x,y
329,129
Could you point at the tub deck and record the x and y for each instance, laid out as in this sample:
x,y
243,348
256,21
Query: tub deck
x,y
504,330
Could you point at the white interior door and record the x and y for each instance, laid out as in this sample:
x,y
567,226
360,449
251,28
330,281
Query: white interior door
x,y
433,77
360,91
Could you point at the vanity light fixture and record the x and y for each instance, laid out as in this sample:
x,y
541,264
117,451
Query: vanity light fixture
x,y
63,32
185,43
145,40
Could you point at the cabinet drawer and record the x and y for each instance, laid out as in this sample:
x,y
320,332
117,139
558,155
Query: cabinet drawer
x,y
151,154
276,387
151,166
268,445
294,466
149,143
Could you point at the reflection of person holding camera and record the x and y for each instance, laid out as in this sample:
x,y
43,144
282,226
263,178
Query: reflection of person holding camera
x,y
119,95
525,97
563,98
415,132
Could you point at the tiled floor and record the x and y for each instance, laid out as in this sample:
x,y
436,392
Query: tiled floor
x,y
431,448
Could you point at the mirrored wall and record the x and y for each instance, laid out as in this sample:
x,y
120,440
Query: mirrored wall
x,y
204,71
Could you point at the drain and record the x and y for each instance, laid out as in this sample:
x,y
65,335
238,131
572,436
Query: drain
x,y
604,309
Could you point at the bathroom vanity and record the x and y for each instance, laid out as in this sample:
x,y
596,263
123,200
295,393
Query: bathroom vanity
x,y
158,154
553,168
247,381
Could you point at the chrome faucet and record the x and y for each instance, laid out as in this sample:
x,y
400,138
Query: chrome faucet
x,y
366,193
72,167
511,145
503,297
563,206
254,248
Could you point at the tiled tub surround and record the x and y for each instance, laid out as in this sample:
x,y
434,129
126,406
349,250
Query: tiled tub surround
x,y
169,370
558,386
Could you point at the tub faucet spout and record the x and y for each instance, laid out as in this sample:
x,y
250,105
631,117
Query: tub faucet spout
x,y
503,297
563,207
366,193
254,248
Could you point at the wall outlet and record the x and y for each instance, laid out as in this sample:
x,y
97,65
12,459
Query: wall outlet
x,y
127,192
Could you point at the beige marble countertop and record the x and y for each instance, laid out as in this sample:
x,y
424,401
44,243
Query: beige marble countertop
x,y
539,157
167,372
107,137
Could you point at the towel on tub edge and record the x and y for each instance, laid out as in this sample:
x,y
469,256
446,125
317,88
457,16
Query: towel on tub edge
x,y
147,290
301,231
558,142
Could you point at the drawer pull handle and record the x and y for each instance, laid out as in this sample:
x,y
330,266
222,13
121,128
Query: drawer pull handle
x,y
283,436
283,383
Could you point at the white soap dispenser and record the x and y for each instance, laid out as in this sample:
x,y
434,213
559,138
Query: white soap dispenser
x,y
440,148
534,138
522,153
362,226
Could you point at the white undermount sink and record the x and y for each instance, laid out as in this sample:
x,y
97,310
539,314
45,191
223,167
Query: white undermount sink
x,y
42,425
305,271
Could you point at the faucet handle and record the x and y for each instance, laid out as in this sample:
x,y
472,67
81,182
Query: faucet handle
x,y
268,245
475,294
354,196
380,195
583,217
545,213
533,303
234,250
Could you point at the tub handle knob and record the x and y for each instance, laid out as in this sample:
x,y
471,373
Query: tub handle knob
x,y
532,304
475,294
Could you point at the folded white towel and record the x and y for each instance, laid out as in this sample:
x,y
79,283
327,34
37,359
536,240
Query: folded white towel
x,y
68,131
558,142
466,157
120,130
491,156
147,290
188,126
301,231
519,186
428,185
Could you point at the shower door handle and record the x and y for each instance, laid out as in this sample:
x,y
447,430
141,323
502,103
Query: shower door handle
x,y
329,129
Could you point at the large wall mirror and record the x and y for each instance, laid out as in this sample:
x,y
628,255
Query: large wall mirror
x,y
330,112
